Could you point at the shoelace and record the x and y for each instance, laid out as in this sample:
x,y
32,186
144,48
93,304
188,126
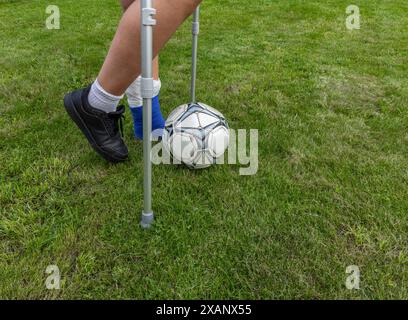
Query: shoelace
x,y
118,117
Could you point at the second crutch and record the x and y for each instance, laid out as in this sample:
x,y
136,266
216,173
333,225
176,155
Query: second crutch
x,y
196,31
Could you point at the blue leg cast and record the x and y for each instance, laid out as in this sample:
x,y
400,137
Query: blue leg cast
x,y
157,119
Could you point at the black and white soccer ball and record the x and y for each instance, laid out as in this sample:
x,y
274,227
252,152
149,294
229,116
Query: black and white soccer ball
x,y
196,135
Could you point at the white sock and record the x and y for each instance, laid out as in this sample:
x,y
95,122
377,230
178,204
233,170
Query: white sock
x,y
102,100
134,92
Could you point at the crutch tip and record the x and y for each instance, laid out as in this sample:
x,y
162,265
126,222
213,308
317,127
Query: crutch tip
x,y
147,220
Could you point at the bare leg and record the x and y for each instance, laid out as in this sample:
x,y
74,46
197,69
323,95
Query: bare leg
x,y
156,68
122,65
125,5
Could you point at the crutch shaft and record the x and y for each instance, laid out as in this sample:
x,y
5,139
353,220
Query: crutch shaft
x,y
147,23
195,31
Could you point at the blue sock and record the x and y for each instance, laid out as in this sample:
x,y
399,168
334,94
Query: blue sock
x,y
157,118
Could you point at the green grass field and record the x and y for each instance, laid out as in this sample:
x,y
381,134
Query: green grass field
x,y
331,108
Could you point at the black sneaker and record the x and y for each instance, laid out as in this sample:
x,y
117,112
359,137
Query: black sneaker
x,y
103,130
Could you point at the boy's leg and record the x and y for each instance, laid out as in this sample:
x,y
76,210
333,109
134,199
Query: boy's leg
x,y
135,100
122,64
94,108
125,5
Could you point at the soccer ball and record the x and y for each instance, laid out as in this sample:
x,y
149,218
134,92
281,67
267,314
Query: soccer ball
x,y
196,135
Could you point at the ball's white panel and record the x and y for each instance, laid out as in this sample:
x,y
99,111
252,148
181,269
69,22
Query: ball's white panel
x,y
218,141
166,141
183,147
176,114
212,109
166,153
206,119
190,122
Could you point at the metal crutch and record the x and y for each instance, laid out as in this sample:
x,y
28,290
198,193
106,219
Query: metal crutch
x,y
147,23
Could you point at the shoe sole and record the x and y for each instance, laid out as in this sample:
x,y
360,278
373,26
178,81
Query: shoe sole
x,y
74,115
